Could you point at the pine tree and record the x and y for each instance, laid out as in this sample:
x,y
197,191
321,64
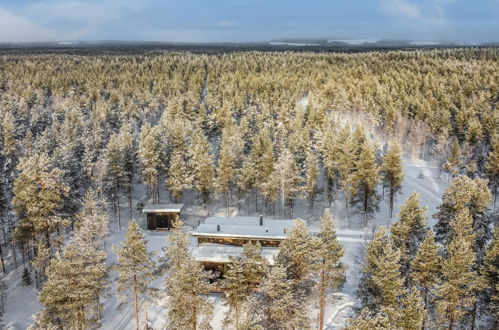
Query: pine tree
x,y
178,176
409,232
287,178
116,173
474,195
39,192
412,313
367,321
135,267
75,281
490,271
225,170
311,174
453,163
456,294
298,252
92,222
493,166
202,166
186,283
426,269
244,274
150,156
346,166
330,268
366,180
129,156
392,173
276,304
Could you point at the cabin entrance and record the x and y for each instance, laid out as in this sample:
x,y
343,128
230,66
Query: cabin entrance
x,y
162,221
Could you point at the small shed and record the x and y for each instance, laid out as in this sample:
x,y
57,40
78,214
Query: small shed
x,y
161,216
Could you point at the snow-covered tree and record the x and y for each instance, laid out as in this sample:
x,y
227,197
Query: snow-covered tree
x,y
178,178
287,178
243,276
276,304
409,232
75,282
457,293
331,270
311,177
225,176
412,313
453,163
472,194
367,320
366,180
38,195
392,173
490,271
493,166
201,162
150,156
186,284
92,222
426,269
135,267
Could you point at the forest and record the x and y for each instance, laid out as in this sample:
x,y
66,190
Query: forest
x,y
84,138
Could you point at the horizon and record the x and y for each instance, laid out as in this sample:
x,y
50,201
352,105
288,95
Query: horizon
x,y
248,21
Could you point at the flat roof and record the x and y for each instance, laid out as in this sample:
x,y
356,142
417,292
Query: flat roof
x,y
220,253
244,227
159,208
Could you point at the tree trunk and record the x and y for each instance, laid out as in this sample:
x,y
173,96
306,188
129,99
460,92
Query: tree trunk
x,y
136,299
194,319
1,257
119,214
322,297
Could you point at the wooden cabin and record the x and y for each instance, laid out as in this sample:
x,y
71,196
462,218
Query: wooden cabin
x,y
161,216
219,238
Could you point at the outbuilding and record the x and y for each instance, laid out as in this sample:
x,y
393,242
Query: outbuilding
x,y
161,216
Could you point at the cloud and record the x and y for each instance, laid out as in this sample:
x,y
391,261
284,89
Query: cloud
x,y
226,23
401,8
17,28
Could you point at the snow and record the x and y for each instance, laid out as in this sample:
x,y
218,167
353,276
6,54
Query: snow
x,y
22,301
356,42
158,208
221,253
244,227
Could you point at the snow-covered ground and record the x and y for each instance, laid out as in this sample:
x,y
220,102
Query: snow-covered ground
x,y
22,301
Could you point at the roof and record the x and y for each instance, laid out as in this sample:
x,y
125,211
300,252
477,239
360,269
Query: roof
x,y
159,208
244,227
220,253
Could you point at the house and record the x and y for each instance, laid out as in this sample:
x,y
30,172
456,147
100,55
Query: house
x,y
161,216
219,238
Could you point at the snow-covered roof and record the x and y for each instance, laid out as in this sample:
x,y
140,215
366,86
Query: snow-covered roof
x,y
220,253
244,227
159,208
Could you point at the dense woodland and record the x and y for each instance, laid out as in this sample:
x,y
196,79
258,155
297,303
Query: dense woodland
x,y
78,132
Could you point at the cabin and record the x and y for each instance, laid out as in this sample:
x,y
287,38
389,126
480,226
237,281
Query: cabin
x,y
220,238
161,216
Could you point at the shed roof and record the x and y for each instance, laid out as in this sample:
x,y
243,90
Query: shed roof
x,y
159,208
220,253
244,227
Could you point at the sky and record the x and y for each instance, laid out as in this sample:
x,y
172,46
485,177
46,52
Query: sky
x,y
467,21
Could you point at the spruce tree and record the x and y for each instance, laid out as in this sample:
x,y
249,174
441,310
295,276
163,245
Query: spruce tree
x,y
346,165
366,180
225,170
409,232
331,270
129,155
457,293
453,163
116,173
392,174
150,156
244,274
92,222
134,266
186,284
367,320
